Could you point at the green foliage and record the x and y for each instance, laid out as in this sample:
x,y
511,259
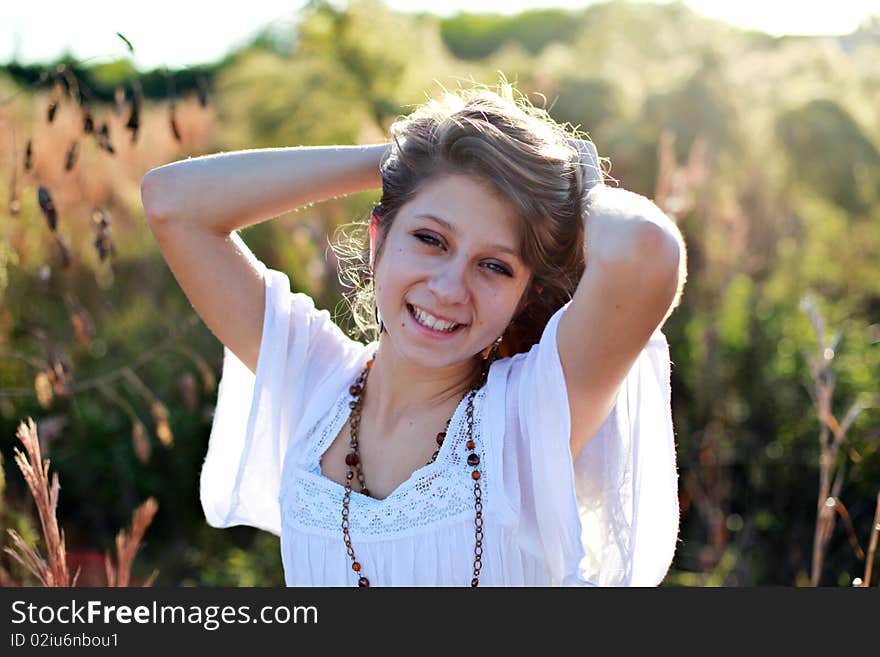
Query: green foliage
x,y
474,36
98,82
734,314
702,106
13,515
111,74
834,156
256,563
591,102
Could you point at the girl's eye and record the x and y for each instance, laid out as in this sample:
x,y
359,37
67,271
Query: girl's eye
x,y
498,268
428,239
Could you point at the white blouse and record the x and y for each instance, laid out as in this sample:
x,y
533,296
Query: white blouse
x,y
611,518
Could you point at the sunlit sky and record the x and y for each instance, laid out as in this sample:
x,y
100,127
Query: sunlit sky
x,y
177,33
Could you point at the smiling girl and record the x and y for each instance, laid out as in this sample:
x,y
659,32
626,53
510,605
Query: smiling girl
x,y
509,423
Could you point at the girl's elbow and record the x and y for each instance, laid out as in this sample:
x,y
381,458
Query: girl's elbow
x,y
155,196
654,245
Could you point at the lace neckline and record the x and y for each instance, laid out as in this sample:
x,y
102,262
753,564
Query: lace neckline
x,y
437,493
340,417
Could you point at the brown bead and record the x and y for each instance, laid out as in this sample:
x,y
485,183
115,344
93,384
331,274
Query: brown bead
x,y
355,390
441,437
475,475
473,459
363,581
470,444
356,567
366,491
475,582
351,459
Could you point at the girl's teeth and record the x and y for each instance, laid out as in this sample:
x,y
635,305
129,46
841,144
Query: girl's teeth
x,y
432,323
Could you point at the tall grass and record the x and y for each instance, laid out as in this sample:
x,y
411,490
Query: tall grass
x,y
52,570
70,169
833,435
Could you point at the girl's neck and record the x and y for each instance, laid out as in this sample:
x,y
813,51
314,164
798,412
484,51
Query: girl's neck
x,y
397,389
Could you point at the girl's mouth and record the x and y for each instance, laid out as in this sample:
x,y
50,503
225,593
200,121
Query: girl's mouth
x,y
430,330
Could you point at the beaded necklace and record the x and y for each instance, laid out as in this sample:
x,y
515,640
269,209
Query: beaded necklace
x,y
352,460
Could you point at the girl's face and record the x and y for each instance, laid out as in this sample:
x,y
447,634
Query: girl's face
x,y
449,278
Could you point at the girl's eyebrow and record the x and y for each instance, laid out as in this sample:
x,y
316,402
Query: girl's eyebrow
x,y
448,226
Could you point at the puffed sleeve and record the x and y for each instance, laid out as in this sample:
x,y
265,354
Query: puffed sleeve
x,y
611,517
301,353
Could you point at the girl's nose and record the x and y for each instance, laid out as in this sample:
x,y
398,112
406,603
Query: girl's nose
x,y
449,284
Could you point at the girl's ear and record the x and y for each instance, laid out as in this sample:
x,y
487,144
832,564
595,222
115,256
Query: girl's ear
x,y
374,231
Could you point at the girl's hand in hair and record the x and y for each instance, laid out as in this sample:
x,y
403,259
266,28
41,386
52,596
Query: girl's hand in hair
x,y
589,162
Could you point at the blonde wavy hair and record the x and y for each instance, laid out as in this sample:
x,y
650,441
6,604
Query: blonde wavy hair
x,y
498,137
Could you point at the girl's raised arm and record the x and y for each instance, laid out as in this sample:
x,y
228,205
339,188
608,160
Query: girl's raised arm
x,y
636,267
194,207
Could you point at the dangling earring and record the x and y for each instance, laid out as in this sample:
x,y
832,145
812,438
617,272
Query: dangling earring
x,y
378,318
380,326
493,352
375,217
486,365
